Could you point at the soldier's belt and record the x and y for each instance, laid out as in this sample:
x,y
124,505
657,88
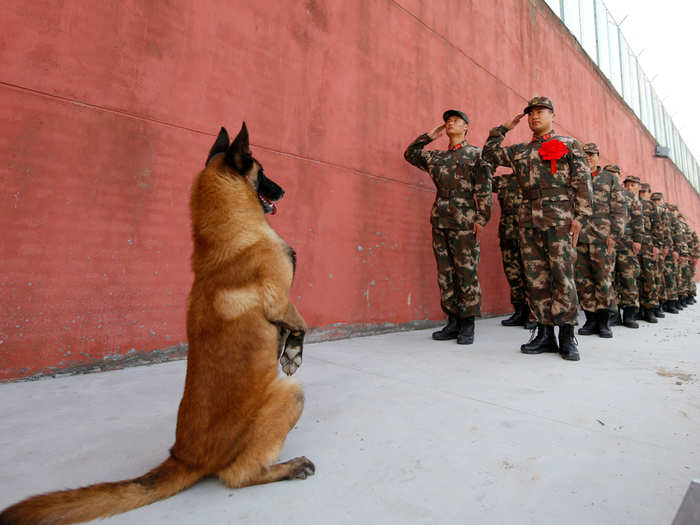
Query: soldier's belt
x,y
509,211
543,193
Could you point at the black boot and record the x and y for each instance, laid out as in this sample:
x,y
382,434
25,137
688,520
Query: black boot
x,y
691,299
648,315
614,317
466,331
658,313
628,317
544,341
529,323
567,343
519,317
677,304
590,327
603,328
448,332
684,301
668,307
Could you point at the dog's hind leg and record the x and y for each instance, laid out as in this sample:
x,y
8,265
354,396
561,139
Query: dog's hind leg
x,y
254,465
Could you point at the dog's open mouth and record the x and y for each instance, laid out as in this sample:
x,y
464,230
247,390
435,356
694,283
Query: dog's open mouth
x,y
267,204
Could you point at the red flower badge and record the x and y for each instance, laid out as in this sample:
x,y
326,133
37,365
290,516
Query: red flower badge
x,y
553,150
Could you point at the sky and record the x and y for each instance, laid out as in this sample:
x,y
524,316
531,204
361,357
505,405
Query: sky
x,y
668,37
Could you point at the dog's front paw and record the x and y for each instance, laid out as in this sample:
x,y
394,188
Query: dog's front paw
x,y
302,468
292,355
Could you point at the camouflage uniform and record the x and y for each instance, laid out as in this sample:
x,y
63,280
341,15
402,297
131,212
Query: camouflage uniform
x,y
626,263
694,255
652,238
550,202
667,291
594,265
510,197
685,271
673,267
463,182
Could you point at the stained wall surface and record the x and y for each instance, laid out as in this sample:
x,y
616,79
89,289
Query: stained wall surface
x,y
107,112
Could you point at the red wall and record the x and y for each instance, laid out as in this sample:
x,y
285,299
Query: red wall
x,y
108,109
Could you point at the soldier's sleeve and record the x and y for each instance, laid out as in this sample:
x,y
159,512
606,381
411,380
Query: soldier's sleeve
x,y
637,220
493,152
415,155
581,183
676,235
696,245
668,237
482,191
617,210
495,181
657,234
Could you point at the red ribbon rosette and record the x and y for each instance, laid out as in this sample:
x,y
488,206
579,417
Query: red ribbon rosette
x,y
553,150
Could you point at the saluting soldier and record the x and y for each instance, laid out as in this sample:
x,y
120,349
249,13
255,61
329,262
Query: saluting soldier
x,y
556,183
649,256
461,209
510,197
626,261
595,259
668,255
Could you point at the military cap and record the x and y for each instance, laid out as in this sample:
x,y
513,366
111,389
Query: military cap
x,y
539,102
657,196
645,187
455,112
632,178
591,147
612,168
673,207
681,216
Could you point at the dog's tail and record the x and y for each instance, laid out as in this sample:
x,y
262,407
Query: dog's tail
x,y
103,499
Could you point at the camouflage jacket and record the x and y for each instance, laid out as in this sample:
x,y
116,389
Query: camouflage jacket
x,y
634,223
687,240
653,233
549,199
695,246
665,217
677,234
463,182
509,197
608,219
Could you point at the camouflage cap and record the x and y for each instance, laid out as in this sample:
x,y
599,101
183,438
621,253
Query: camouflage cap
x,y
612,168
657,196
632,178
673,207
539,102
645,187
591,147
456,113
681,216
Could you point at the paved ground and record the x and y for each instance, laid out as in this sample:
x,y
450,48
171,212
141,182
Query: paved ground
x,y
404,430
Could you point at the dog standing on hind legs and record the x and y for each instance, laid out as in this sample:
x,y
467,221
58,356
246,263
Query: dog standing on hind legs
x,y
236,409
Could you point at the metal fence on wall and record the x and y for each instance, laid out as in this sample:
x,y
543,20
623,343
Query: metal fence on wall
x,y
598,33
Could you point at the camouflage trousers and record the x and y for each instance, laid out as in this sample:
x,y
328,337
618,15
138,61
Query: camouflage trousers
x,y
594,276
670,278
647,284
457,258
514,270
549,257
687,277
660,280
626,273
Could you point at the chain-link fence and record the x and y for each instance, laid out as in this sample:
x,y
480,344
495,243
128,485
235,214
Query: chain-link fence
x,y
598,33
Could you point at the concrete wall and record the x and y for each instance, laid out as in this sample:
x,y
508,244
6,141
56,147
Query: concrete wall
x,y
108,109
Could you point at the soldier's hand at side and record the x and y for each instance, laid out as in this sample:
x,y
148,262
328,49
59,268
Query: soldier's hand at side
x,y
636,247
655,252
574,231
513,122
477,231
664,252
675,256
610,244
436,132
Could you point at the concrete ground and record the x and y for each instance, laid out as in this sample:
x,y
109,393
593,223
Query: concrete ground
x,y
404,430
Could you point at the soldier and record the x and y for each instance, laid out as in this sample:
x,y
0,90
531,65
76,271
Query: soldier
x,y
678,249
461,209
649,256
553,173
684,260
626,262
694,256
509,197
670,295
595,259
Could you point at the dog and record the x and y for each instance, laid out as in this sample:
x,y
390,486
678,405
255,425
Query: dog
x,y
236,409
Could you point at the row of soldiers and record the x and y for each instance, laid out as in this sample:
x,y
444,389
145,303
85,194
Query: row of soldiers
x,y
635,258
568,231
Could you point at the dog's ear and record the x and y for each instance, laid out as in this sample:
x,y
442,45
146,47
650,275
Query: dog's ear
x,y
238,155
220,145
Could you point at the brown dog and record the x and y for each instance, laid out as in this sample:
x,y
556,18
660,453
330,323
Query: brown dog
x,y
236,410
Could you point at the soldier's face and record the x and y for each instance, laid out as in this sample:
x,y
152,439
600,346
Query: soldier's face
x,y
540,119
644,194
632,186
593,159
455,126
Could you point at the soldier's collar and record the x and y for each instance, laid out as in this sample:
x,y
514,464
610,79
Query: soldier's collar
x,y
544,137
457,146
